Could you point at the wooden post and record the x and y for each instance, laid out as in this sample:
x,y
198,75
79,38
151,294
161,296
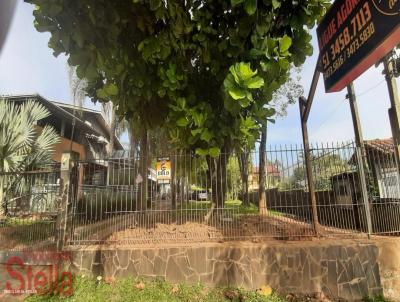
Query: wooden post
x,y
361,157
394,111
307,158
67,191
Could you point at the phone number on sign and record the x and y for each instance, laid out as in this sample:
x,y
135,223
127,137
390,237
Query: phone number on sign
x,y
348,41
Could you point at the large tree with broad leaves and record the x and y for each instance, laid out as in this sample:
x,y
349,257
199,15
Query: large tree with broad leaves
x,y
204,70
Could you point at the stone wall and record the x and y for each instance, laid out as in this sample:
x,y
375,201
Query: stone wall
x,y
342,269
389,267
345,271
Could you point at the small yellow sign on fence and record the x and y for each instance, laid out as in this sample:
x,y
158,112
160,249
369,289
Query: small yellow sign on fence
x,y
163,168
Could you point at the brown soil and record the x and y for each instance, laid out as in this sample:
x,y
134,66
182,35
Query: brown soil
x,y
252,227
11,239
131,229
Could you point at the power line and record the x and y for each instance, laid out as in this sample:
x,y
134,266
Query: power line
x,y
329,116
371,88
336,108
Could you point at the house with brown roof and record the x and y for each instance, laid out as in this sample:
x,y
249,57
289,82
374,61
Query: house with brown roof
x,y
82,130
384,177
382,163
273,176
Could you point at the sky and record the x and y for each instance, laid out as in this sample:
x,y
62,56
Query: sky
x,y
28,66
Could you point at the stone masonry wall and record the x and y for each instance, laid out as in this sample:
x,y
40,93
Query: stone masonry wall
x,y
344,271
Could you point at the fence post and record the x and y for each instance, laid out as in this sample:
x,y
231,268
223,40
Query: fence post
x,y
68,161
364,189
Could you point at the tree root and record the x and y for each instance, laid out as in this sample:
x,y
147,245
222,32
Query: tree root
x,y
209,214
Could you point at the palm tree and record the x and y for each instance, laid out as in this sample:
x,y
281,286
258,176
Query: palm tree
x,y
78,88
23,145
108,111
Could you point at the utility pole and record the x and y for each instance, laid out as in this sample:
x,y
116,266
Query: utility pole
x,y
361,159
355,116
394,111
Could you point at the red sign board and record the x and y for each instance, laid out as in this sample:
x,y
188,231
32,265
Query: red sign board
x,y
354,35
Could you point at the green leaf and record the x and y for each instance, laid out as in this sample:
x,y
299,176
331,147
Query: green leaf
x,y
214,152
196,131
80,71
250,6
284,43
182,122
276,4
78,37
181,103
270,111
55,9
201,152
237,93
254,83
154,4
284,64
91,73
161,92
111,89
198,118
78,59
101,94
244,71
206,135
245,102
236,2
233,76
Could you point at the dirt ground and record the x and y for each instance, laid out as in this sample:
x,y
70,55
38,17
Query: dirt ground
x,y
255,228
153,230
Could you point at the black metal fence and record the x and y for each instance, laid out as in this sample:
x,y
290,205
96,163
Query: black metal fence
x,y
205,199
187,198
29,207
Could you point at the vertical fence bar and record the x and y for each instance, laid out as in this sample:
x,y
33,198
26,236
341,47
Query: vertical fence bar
x,y
364,189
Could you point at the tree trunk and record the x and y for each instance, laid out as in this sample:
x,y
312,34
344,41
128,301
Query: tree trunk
x,y
132,141
262,198
3,205
132,153
217,175
173,180
243,159
143,168
111,146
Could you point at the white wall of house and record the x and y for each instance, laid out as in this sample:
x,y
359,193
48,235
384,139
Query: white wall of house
x,y
388,180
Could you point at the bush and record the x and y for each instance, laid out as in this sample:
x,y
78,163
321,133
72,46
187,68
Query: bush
x,y
97,204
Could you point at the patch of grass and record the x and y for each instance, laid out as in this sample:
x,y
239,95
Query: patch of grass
x,y
92,290
376,299
15,221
